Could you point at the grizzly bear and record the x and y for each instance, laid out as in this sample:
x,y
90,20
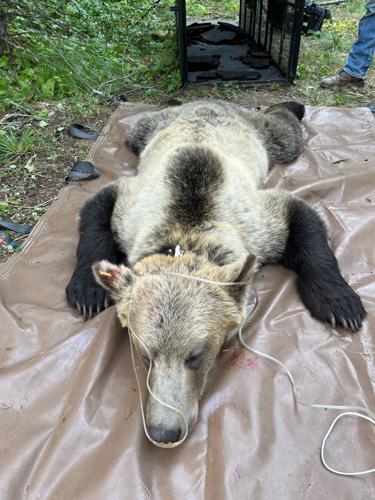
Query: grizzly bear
x,y
163,245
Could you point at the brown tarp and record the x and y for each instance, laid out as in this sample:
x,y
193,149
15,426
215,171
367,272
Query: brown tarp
x,y
70,424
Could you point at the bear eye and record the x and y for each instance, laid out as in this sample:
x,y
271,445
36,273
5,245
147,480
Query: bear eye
x,y
193,361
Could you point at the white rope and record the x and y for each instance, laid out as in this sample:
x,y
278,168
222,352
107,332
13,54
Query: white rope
x,y
348,410
345,414
205,280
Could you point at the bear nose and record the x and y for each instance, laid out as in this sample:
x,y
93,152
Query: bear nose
x,y
161,435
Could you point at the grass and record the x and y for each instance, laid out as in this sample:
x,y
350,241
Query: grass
x,y
16,146
35,152
68,49
227,9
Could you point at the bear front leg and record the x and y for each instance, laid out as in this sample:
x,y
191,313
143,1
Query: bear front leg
x,y
322,288
96,243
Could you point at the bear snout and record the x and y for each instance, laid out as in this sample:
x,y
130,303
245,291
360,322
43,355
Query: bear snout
x,y
162,435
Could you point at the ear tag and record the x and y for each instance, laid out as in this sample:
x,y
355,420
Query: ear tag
x,y
110,276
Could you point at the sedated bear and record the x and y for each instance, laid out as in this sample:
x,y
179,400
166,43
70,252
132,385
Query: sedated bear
x,y
197,208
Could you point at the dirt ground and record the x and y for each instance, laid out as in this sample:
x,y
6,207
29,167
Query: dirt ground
x,y
26,193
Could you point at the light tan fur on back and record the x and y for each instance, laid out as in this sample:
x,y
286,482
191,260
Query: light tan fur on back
x,y
227,131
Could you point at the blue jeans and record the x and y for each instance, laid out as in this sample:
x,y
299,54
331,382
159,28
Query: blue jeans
x,y
360,57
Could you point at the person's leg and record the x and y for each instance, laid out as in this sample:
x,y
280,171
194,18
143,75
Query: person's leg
x,y
362,52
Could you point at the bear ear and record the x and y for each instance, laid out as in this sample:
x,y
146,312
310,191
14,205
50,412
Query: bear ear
x,y
240,271
248,269
115,279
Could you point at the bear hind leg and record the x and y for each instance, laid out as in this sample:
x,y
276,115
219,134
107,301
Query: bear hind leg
x,y
140,134
282,132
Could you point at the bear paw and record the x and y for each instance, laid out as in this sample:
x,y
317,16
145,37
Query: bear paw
x,y
87,296
334,302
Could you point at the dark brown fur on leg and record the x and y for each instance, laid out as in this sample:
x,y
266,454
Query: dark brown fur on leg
x,y
320,283
282,132
143,131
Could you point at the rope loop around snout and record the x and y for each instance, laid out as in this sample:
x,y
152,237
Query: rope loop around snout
x,y
166,405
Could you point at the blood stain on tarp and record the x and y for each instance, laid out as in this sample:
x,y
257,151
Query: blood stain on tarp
x,y
239,359
4,353
241,410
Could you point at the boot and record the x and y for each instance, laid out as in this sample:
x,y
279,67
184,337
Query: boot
x,y
341,80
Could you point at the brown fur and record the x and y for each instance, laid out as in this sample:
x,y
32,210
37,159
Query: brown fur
x,y
177,317
198,208
201,170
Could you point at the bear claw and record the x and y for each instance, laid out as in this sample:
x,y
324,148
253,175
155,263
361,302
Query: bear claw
x,y
339,305
87,297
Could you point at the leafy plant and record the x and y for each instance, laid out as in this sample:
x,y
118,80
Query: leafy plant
x,y
15,146
62,49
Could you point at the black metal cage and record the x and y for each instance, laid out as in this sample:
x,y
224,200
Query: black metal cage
x,y
262,48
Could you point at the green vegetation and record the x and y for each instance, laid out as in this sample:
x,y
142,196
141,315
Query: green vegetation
x,y
60,49
83,49
16,146
64,49
227,9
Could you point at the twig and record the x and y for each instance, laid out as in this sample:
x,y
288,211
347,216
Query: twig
x,y
12,44
10,115
46,202
366,354
24,207
111,81
21,237
332,2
